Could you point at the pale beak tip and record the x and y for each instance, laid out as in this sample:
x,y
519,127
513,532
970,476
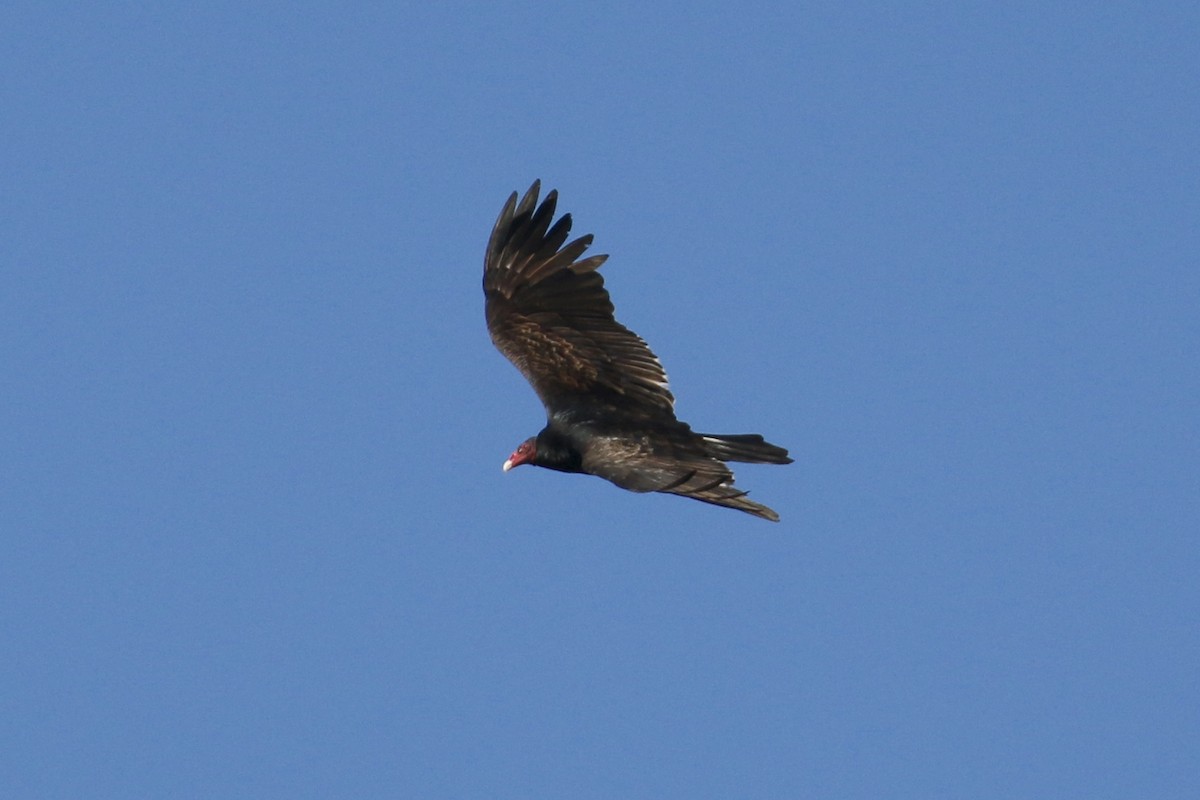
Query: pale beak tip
x,y
508,465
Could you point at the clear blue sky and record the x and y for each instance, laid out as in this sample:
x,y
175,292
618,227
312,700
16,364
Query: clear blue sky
x,y
255,537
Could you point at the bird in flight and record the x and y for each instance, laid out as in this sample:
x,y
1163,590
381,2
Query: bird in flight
x,y
609,410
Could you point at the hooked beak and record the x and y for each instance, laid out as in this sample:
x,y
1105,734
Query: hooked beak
x,y
524,454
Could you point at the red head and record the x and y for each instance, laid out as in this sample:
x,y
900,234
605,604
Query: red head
x,y
525,454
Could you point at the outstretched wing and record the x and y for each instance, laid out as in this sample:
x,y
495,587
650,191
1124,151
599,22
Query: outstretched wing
x,y
549,314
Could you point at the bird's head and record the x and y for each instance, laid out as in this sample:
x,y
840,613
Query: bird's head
x,y
525,454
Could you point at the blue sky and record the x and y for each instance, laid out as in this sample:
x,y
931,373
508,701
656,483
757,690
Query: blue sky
x,y
255,537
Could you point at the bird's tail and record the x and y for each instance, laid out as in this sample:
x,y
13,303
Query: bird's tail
x,y
746,447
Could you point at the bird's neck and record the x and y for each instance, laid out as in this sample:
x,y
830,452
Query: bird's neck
x,y
555,451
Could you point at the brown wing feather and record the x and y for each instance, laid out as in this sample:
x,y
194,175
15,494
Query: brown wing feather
x,y
549,314
673,460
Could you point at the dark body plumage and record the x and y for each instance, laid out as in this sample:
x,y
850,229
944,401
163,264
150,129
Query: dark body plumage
x,y
609,410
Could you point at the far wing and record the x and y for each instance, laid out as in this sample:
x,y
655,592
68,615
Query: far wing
x,y
671,459
549,313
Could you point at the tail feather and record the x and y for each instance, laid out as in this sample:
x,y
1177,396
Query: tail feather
x,y
746,447
712,482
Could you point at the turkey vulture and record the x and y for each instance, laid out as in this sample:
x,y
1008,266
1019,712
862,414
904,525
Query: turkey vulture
x,y
608,407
